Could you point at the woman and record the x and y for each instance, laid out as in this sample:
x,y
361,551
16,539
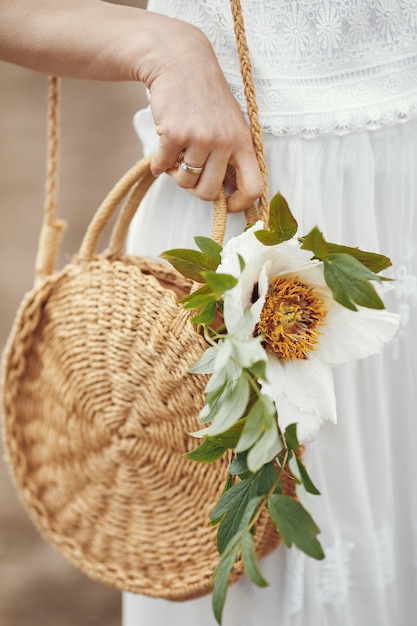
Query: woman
x,y
337,89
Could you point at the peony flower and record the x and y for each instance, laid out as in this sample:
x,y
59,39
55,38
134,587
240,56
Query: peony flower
x,y
304,331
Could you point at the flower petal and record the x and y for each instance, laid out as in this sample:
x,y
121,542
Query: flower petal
x,y
308,424
303,393
350,335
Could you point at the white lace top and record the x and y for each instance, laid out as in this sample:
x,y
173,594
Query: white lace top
x,y
320,66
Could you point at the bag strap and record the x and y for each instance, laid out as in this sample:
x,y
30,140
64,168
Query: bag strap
x,y
138,179
52,229
251,103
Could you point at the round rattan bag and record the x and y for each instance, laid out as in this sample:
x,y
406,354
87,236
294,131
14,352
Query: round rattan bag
x,y
98,405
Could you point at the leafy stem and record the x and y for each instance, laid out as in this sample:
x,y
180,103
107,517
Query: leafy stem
x,y
264,501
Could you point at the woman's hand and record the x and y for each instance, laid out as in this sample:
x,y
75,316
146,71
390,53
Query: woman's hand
x,y
197,116
195,113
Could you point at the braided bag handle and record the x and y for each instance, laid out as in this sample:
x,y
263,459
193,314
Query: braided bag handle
x,y
252,106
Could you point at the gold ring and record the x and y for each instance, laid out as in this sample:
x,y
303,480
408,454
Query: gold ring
x,y
189,168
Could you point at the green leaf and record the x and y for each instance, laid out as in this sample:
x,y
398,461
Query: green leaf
x,y
201,291
207,452
199,300
250,562
307,482
206,315
190,263
295,525
238,466
232,407
258,369
221,580
241,492
374,262
265,449
219,283
315,242
205,364
290,437
267,237
215,399
211,249
235,523
242,263
230,437
281,220
217,388
349,282
253,428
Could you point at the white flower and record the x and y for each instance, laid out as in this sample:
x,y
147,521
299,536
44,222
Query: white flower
x,y
305,332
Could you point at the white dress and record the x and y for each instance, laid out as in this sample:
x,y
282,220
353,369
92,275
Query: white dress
x,y
337,87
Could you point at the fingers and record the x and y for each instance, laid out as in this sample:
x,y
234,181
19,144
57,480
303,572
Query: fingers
x,y
197,116
207,183
194,168
166,157
249,182
191,166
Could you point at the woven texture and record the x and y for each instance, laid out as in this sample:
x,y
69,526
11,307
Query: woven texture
x,y
98,407
98,403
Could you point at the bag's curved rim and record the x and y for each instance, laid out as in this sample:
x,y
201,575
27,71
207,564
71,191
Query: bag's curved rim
x,y
31,310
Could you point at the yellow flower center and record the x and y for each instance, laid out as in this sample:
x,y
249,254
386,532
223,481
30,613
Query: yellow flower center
x,y
290,319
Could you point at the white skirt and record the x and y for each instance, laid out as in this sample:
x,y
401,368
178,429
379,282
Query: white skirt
x,y
361,190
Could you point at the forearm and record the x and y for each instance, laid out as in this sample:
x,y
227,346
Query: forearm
x,y
81,38
194,110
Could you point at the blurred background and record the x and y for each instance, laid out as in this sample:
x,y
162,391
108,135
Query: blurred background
x,y
38,587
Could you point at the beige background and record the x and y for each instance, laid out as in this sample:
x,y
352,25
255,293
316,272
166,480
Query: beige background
x,y
37,586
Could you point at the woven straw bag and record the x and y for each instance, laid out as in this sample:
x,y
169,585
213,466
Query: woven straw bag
x,y
98,405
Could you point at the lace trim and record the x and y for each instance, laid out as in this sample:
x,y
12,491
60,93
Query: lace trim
x,y
338,107
320,66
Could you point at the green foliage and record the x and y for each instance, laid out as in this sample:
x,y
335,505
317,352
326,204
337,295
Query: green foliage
x,y
221,579
231,507
291,437
250,562
239,466
295,525
231,409
349,282
282,224
237,418
315,242
211,249
219,283
207,452
374,262
206,314
190,263
347,271
309,486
